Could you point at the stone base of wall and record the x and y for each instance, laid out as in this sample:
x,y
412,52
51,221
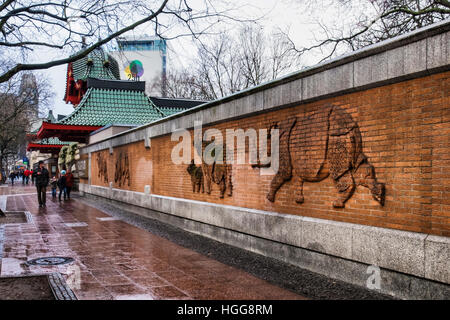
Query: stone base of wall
x,y
412,265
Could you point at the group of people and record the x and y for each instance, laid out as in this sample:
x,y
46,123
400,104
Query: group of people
x,y
22,174
64,183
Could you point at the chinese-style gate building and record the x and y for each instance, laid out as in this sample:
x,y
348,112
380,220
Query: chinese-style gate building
x,y
103,104
102,101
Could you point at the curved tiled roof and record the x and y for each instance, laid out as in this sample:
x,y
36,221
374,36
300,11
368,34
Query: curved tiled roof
x,y
97,64
101,107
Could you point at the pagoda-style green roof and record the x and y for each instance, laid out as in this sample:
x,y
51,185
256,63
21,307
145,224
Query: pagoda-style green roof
x,y
97,64
103,106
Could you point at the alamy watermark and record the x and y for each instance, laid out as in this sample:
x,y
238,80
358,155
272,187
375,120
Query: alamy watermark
x,y
211,147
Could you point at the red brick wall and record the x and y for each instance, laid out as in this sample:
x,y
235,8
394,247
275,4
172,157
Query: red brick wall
x,y
96,178
140,164
405,129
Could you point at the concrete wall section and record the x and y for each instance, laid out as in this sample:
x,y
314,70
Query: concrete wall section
x,y
107,132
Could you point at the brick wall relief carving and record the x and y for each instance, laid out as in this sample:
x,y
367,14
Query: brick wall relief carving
x,y
218,173
122,172
326,143
102,167
196,174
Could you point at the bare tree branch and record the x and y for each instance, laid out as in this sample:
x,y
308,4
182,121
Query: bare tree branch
x,y
32,43
29,24
22,67
229,64
392,18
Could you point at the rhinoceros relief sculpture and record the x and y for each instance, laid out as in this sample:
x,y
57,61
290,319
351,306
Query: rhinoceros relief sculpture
x,y
219,173
102,167
122,173
326,143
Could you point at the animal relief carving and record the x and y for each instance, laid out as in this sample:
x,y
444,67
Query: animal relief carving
x,y
122,173
102,167
196,177
326,143
217,172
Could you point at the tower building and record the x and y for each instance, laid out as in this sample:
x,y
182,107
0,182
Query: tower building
x,y
143,59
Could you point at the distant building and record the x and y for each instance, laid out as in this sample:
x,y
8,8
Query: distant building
x,y
28,88
143,59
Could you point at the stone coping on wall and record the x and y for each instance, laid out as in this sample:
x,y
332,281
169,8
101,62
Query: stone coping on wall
x,y
417,254
416,54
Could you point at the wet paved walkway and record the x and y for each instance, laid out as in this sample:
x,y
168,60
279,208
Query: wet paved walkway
x,y
116,260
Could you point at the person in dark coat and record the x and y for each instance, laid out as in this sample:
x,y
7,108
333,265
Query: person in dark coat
x,y
62,184
42,179
69,183
12,176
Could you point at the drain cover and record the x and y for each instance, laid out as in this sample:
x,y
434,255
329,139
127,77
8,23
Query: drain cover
x,y
50,261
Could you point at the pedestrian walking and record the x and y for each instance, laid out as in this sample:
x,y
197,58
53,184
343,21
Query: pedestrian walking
x,y
54,184
42,180
69,183
62,184
27,174
12,177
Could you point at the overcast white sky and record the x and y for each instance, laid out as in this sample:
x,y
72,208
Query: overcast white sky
x,y
297,16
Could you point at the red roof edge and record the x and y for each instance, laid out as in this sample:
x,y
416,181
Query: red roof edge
x,y
48,129
43,146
